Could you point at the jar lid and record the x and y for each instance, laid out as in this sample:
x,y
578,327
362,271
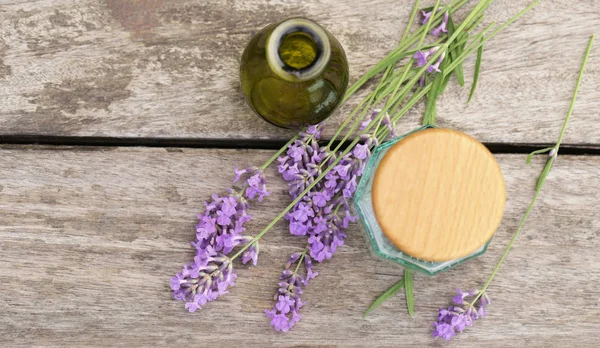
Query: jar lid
x,y
438,194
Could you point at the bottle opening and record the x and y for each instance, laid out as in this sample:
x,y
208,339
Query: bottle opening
x,y
298,49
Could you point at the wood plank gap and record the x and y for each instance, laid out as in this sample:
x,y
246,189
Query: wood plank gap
x,y
255,144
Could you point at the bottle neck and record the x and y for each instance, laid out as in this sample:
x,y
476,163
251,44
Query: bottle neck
x,y
298,49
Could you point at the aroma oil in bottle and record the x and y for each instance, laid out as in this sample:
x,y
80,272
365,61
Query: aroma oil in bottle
x,y
294,73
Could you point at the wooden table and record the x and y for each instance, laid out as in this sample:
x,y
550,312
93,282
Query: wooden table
x,y
118,118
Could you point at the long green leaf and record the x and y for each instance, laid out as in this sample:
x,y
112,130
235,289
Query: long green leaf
x,y
545,172
430,106
455,51
386,295
443,67
530,156
437,88
408,287
476,74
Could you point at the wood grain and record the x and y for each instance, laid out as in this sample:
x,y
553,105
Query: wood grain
x,y
438,195
90,236
169,68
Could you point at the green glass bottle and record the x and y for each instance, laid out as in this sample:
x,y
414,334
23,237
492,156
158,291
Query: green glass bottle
x,y
294,73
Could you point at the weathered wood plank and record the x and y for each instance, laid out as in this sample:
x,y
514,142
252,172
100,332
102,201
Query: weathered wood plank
x,y
90,237
169,69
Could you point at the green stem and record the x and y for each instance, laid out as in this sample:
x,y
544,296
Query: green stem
x,y
391,62
411,19
542,177
300,260
474,14
475,47
392,56
364,105
371,96
564,128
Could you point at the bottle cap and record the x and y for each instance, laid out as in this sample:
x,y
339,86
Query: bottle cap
x,y
438,195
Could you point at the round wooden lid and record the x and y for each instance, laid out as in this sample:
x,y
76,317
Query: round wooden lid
x,y
438,194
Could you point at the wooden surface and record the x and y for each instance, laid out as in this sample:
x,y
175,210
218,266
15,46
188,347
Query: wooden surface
x,y
89,239
438,195
169,68
89,236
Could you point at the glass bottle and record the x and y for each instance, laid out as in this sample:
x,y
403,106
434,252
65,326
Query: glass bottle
x,y
294,73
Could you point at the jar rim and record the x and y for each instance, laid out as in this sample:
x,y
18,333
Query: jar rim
x,y
290,26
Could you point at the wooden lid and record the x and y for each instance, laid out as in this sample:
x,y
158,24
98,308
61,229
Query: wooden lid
x,y
438,194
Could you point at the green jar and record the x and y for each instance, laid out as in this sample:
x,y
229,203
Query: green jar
x,y
294,73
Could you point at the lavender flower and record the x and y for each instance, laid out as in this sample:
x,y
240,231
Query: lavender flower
x,y
256,182
436,67
317,215
442,28
203,280
422,57
456,318
323,214
364,124
426,16
285,313
220,229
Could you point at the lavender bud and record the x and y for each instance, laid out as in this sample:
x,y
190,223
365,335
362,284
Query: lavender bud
x,y
210,268
285,274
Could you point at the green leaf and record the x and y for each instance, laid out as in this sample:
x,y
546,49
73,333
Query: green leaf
x,y
476,75
408,287
437,88
430,107
544,174
443,67
530,156
386,295
455,50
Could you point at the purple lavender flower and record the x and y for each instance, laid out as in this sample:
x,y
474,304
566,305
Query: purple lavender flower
x,y
323,214
365,123
303,212
219,230
256,184
436,67
426,16
456,318
386,121
442,28
361,151
198,284
251,254
443,330
459,298
285,313
422,58
317,215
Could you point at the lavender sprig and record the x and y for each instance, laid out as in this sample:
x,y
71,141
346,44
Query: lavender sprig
x,y
248,247
305,178
324,213
462,314
220,229
447,330
285,314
